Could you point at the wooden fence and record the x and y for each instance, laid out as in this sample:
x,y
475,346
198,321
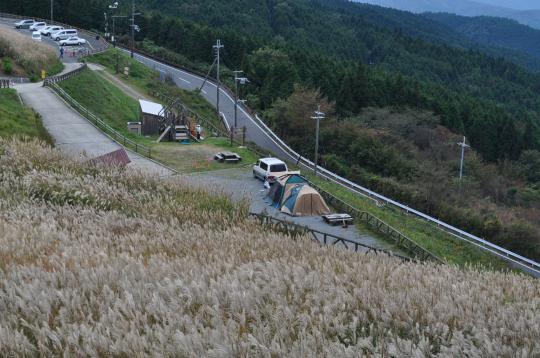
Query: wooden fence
x,y
5,83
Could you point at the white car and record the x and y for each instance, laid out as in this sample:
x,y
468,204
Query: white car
x,y
24,24
47,31
269,169
64,34
37,26
36,36
73,41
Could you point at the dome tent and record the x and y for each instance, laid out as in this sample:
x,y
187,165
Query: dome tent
x,y
292,195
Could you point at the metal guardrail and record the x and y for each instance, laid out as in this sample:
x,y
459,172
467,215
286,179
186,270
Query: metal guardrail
x,y
100,124
320,237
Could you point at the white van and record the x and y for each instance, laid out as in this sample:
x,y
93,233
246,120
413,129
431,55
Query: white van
x,y
64,34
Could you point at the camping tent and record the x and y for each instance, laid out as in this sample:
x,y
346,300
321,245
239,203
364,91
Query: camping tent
x,y
292,195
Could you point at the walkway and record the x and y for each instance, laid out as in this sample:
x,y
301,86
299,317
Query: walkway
x,y
72,133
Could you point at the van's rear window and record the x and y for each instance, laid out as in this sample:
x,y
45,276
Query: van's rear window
x,y
278,168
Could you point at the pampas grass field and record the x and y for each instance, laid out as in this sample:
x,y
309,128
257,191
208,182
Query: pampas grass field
x,y
31,55
97,261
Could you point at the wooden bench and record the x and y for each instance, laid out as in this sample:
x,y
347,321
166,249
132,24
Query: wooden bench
x,y
336,219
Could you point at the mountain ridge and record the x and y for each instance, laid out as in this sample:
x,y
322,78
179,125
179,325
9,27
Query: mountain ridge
x,y
530,17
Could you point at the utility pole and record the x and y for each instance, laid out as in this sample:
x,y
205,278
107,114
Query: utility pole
x,y
463,145
218,46
52,11
318,116
132,27
242,81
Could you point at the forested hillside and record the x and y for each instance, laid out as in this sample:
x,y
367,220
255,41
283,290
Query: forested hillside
x,y
368,66
493,32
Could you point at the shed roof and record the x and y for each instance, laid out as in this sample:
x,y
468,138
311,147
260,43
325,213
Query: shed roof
x,y
150,107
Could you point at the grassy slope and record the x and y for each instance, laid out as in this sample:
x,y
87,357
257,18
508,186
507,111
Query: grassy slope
x,y
109,103
147,81
423,233
104,262
17,120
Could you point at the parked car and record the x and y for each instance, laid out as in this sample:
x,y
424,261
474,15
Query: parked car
x,y
72,41
48,30
64,34
36,36
24,24
37,26
269,169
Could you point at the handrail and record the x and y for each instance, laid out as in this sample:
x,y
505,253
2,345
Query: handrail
x,y
322,237
100,124
64,76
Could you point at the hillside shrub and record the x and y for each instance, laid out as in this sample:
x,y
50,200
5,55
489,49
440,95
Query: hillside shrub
x,y
7,66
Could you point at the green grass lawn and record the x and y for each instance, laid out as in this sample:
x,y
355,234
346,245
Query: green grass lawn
x,y
17,120
109,103
147,81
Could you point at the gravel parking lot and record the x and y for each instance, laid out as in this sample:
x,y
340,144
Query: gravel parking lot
x,y
240,184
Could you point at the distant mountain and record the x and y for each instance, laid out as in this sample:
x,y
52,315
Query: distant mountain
x,y
513,4
467,8
493,32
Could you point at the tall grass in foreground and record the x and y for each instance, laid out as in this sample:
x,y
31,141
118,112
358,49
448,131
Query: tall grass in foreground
x,y
31,55
100,262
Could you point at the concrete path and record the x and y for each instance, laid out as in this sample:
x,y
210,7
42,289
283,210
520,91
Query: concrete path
x,y
72,133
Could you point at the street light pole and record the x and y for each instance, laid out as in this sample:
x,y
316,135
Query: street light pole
x,y
318,116
218,46
242,81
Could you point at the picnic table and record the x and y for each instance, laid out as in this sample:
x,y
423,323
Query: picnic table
x,y
227,157
336,219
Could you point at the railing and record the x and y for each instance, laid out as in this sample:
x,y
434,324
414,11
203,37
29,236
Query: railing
x,y
319,236
62,77
100,124
5,83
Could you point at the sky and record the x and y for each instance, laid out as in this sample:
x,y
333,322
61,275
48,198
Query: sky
x,y
514,4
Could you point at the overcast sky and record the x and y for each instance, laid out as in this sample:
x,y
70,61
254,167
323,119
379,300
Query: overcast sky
x,y
514,4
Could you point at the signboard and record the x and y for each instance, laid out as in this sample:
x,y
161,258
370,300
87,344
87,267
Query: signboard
x,y
43,74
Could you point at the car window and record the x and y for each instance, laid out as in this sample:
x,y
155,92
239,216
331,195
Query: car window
x,y
264,166
278,168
